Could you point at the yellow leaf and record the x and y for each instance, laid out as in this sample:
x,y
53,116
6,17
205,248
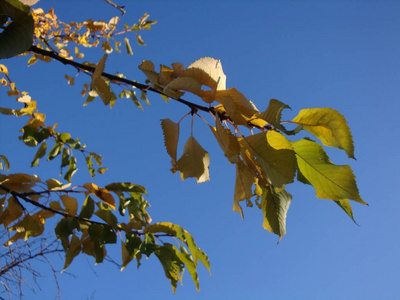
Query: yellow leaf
x,y
147,67
227,141
71,80
243,186
98,84
334,182
20,182
178,69
237,106
171,137
185,83
101,193
208,71
70,203
275,155
55,185
194,162
11,213
329,126
24,99
3,69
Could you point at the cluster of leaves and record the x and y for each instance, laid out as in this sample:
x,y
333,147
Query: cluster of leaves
x,y
267,161
26,203
88,227
35,133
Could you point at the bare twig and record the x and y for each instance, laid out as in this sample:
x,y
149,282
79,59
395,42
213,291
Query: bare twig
x,y
120,8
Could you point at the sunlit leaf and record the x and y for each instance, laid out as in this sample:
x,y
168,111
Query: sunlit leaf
x,y
329,126
171,137
335,182
128,46
273,114
346,206
194,162
275,206
227,141
98,84
208,71
275,155
243,186
70,203
172,265
101,193
237,106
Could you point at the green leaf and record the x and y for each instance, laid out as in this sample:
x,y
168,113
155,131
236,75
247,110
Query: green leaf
x,y
66,226
335,182
17,37
194,162
39,154
275,206
183,236
346,206
102,234
275,155
173,266
74,248
273,116
6,163
329,126
126,187
190,264
135,99
104,212
71,169
55,151
87,209
128,46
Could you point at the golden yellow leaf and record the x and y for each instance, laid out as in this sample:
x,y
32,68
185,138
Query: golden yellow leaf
x,y
101,193
11,213
98,84
194,162
243,186
147,67
237,106
329,126
171,137
227,141
20,182
185,83
208,71
275,155
70,203
3,69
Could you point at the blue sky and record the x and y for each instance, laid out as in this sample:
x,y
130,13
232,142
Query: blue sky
x,y
338,54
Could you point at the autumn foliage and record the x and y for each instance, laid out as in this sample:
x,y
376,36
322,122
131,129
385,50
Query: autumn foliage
x,y
264,148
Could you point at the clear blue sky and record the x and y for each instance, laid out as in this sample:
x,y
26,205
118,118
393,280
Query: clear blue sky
x,y
339,54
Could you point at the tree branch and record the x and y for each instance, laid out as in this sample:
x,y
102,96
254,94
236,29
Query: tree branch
x,y
24,197
120,8
142,87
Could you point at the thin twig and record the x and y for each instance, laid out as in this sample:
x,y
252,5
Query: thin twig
x,y
120,8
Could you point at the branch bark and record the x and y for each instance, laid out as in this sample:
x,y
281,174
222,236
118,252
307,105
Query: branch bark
x,y
113,78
